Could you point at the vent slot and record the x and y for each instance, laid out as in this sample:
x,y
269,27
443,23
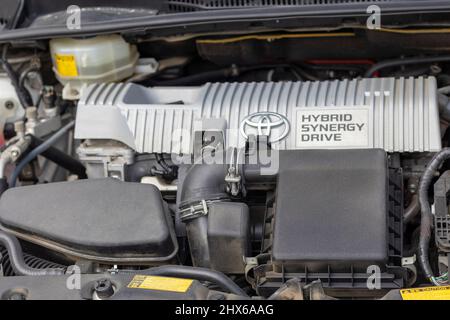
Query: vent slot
x,y
202,5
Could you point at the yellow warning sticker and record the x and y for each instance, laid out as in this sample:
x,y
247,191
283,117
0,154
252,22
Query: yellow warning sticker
x,y
66,65
160,283
428,293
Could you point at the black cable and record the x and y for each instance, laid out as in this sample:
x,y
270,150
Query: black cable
x,y
220,74
295,68
39,99
335,67
38,150
168,172
426,215
60,158
401,61
162,162
196,79
17,261
23,94
18,14
24,74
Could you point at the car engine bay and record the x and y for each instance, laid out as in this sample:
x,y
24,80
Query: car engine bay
x,y
277,165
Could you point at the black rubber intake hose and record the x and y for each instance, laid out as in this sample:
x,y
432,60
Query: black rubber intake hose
x,y
60,158
401,62
203,182
18,264
200,274
425,208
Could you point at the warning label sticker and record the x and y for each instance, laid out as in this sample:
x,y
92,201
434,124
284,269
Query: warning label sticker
x,y
66,65
428,293
332,128
160,283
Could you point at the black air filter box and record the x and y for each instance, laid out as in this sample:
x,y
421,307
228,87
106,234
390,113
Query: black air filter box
x,y
104,220
331,210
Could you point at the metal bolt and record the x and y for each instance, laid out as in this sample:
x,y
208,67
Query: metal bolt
x,y
9,105
15,153
104,288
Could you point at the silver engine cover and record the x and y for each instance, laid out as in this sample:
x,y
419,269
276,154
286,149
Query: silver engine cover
x,y
397,115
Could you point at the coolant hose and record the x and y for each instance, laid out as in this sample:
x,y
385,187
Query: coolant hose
x,y
201,274
426,215
401,62
18,264
38,150
412,210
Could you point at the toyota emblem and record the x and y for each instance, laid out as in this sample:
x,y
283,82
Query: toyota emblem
x,y
264,123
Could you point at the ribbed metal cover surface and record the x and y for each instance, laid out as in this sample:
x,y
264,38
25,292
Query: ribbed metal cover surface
x,y
398,115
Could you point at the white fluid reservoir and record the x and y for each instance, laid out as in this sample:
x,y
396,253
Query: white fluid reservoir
x,y
92,60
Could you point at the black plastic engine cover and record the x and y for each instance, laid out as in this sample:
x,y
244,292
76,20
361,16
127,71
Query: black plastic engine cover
x,y
96,219
331,210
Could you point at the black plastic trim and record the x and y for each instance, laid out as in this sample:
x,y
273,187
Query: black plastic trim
x,y
211,19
